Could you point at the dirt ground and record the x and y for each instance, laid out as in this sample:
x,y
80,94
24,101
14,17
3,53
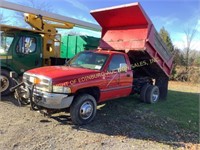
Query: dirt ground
x,y
23,129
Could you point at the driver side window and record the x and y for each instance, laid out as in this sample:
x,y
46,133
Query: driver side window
x,y
26,45
115,62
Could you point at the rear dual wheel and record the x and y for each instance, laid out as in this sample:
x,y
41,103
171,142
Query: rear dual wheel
x,y
149,94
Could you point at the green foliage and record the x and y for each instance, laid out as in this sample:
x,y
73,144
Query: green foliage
x,y
182,57
179,57
166,38
175,119
185,115
197,61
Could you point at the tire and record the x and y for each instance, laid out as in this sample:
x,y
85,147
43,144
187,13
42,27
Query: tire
x,y
6,82
162,83
143,92
83,102
152,94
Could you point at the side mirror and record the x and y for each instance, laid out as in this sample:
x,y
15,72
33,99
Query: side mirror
x,y
122,67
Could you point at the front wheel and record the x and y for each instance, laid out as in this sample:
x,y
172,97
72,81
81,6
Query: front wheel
x,y
83,109
6,82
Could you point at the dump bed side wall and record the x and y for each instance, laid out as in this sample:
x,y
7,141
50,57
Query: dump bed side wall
x,y
157,49
140,38
128,28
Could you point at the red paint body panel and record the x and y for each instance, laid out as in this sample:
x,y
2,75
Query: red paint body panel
x,y
123,27
121,16
111,84
127,27
60,73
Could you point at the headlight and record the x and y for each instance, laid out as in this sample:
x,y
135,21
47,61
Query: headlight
x,y
61,89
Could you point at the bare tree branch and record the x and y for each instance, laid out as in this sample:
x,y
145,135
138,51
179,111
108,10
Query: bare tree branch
x,y
3,20
190,34
40,5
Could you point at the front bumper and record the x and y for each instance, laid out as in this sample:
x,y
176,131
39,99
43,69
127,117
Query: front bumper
x,y
52,100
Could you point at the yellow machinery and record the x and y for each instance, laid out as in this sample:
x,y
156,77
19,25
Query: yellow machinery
x,y
23,49
51,39
47,23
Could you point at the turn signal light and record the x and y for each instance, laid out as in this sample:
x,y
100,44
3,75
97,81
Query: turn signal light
x,y
36,81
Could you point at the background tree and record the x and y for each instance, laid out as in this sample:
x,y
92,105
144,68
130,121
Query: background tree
x,y
167,40
40,5
3,19
189,34
184,59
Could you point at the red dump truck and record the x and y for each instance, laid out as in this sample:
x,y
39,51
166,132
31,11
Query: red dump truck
x,y
131,59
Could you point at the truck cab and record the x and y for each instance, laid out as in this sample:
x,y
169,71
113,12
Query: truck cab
x,y
89,78
19,52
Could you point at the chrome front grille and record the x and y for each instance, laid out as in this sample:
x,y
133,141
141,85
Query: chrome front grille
x,y
44,85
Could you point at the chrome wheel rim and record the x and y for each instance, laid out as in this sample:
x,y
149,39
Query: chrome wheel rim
x,y
86,110
155,95
4,83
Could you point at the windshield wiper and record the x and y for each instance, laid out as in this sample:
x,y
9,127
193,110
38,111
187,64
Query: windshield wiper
x,y
76,65
90,68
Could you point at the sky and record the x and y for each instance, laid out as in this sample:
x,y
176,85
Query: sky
x,y
176,16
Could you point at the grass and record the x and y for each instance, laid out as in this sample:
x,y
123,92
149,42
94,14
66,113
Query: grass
x,y
173,120
181,108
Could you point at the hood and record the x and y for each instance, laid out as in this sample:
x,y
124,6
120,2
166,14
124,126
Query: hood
x,y
60,73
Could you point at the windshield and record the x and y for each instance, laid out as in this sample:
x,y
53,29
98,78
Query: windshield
x,y
89,60
6,41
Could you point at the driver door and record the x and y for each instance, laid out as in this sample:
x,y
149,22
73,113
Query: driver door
x,y
116,86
